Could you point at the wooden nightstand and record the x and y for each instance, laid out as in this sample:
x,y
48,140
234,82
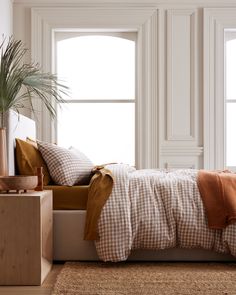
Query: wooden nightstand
x,y
25,237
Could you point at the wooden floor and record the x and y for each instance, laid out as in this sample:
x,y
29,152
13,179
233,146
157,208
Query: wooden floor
x,y
45,289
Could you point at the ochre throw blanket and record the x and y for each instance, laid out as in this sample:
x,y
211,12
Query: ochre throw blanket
x,y
218,192
99,190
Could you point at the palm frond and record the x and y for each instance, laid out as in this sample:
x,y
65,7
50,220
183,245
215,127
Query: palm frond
x,y
21,82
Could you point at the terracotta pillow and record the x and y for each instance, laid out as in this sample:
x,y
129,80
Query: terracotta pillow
x,y
28,158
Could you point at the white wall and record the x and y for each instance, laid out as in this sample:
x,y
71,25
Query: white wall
x,y
176,79
5,18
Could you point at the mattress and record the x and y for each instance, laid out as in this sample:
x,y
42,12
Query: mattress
x,y
69,197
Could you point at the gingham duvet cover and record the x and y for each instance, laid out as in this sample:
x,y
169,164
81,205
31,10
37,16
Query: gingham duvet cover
x,y
156,209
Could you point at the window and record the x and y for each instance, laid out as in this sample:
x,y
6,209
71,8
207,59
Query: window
x,y
230,96
99,118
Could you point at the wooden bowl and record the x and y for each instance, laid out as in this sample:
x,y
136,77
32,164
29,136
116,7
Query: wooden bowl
x,y
17,183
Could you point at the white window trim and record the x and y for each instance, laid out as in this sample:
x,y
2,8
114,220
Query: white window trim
x,y
145,21
216,20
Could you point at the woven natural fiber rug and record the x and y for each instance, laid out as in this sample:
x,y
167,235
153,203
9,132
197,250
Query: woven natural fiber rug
x,y
93,278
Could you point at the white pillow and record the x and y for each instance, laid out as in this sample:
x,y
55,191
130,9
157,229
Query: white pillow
x,y
66,167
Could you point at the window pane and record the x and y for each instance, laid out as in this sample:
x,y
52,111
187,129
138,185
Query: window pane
x,y
230,134
104,132
97,67
230,69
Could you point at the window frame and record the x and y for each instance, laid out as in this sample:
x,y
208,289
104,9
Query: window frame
x,y
62,35
148,23
229,37
216,21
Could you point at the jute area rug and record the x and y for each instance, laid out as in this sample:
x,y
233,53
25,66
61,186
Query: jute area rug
x,y
97,278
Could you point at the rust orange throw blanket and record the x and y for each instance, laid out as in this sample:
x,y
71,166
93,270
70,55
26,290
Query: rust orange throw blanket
x,y
100,188
218,192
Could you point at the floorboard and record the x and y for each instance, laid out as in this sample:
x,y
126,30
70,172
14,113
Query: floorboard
x,y
45,289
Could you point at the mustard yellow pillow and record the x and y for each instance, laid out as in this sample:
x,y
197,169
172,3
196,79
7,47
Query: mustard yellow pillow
x,y
28,157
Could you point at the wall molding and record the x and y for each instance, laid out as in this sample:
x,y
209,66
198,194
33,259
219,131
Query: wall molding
x,y
145,20
180,165
181,151
174,79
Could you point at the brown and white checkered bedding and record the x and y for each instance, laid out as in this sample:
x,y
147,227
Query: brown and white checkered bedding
x,y
66,166
156,209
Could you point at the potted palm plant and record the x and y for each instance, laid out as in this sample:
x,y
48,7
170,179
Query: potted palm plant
x,y
20,83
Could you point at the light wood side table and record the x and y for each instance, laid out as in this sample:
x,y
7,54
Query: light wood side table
x,y
25,237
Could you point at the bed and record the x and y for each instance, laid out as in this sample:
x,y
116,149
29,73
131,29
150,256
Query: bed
x,y
69,224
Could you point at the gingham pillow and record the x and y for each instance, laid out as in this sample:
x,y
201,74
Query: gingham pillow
x,y
65,166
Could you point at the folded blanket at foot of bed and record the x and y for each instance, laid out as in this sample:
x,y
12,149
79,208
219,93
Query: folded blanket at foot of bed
x,y
218,193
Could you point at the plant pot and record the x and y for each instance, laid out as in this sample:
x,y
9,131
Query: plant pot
x,y
3,153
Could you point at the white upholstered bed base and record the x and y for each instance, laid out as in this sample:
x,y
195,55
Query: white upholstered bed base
x,y
69,225
69,244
